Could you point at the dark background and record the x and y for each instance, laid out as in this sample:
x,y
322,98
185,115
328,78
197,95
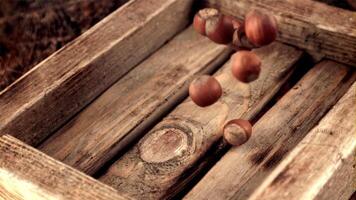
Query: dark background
x,y
31,30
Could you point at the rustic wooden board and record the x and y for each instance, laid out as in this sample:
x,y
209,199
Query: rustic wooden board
x,y
135,102
307,24
57,88
242,169
158,162
26,173
322,165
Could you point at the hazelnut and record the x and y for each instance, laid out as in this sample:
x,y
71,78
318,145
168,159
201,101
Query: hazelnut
x,y
245,66
261,28
237,131
239,39
200,18
205,91
219,28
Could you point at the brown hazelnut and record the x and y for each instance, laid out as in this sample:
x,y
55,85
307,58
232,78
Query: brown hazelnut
x,y
237,131
205,91
219,28
245,66
200,19
260,28
239,39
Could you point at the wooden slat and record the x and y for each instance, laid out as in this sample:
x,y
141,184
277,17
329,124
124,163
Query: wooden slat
x,y
322,165
158,162
133,103
242,169
307,24
26,173
60,86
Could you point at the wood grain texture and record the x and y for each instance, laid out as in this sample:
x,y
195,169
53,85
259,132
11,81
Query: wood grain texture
x,y
243,168
322,165
307,24
26,173
125,110
160,159
57,88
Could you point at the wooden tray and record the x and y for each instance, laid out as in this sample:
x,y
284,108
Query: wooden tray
x,y
107,116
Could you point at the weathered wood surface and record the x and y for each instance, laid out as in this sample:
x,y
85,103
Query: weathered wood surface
x,y
322,165
242,169
160,159
307,24
26,173
57,88
126,109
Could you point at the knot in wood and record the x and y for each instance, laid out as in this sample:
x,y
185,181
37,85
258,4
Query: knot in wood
x,y
163,145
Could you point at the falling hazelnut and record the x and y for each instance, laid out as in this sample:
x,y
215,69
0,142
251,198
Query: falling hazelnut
x,y
245,66
261,28
205,91
239,39
200,18
219,28
237,131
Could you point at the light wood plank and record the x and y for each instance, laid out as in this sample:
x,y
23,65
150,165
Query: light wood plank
x,y
131,105
56,89
321,166
307,24
27,174
243,168
159,161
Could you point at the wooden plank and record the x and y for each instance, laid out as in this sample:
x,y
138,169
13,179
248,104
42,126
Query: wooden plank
x,y
242,169
158,162
322,165
57,88
131,105
307,24
26,173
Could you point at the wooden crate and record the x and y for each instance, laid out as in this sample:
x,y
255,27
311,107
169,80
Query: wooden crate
x,y
107,116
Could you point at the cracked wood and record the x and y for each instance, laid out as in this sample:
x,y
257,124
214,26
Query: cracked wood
x,y
158,162
322,166
243,168
51,93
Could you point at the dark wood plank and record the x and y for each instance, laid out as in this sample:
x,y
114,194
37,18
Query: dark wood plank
x,y
135,102
158,162
322,165
307,24
57,88
26,173
242,169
